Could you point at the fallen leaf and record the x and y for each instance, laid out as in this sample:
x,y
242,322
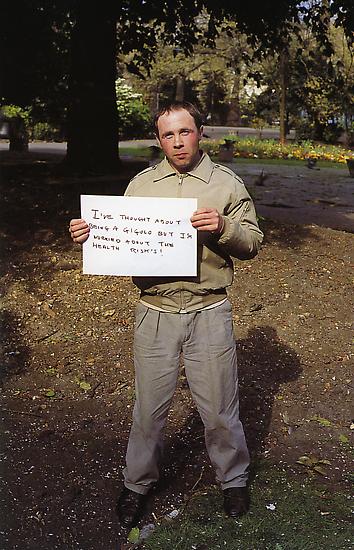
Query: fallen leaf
x,y
109,313
323,421
51,370
85,385
343,438
50,393
133,536
306,460
319,470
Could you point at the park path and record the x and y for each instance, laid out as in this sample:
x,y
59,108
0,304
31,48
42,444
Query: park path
x,y
290,194
299,195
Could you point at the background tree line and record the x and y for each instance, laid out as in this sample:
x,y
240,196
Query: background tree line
x,y
69,65
234,89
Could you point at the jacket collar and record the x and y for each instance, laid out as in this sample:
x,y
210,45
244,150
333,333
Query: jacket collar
x,y
202,171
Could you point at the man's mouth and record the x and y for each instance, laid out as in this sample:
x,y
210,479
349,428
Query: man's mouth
x,y
181,155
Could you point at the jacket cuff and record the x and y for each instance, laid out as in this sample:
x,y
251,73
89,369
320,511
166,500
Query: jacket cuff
x,y
225,234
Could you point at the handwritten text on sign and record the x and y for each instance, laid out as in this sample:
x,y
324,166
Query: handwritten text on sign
x,y
139,236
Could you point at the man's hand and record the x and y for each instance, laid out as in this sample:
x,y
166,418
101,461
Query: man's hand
x,y
79,231
208,219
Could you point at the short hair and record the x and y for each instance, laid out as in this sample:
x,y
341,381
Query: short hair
x,y
178,106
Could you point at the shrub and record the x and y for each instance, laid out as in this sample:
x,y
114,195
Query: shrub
x,y
14,111
133,115
45,132
304,130
331,133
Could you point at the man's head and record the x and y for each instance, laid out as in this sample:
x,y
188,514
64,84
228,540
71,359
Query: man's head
x,y
178,128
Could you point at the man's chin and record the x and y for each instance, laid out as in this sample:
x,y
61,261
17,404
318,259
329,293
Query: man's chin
x,y
181,166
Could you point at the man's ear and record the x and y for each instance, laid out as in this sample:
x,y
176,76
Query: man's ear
x,y
158,140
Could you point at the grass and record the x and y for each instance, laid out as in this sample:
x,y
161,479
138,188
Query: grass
x,y
286,162
266,151
304,518
143,152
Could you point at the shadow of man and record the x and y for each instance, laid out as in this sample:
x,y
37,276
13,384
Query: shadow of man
x,y
264,364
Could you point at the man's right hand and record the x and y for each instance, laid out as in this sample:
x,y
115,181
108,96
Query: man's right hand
x,y
79,231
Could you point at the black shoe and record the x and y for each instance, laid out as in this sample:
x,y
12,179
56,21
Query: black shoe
x,y
236,501
130,506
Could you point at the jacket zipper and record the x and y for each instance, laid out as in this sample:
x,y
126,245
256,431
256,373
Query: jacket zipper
x,y
180,183
179,194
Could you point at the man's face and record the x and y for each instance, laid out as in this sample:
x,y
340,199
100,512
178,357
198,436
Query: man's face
x,y
179,139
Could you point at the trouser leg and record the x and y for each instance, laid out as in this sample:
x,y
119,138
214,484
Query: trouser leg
x,y
156,358
211,370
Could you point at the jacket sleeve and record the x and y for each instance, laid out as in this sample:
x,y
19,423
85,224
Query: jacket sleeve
x,y
241,236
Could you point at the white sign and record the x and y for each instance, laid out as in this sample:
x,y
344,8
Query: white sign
x,y
139,236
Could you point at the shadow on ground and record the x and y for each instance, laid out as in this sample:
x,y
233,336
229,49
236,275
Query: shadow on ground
x,y
265,363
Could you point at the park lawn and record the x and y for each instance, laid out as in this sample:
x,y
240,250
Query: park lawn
x,y
144,153
285,514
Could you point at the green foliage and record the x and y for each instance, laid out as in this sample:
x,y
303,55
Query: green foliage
x,y
133,113
36,130
44,131
332,132
305,130
14,111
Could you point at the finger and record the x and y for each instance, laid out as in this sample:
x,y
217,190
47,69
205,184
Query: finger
x,y
80,232
81,239
204,209
75,221
205,221
81,223
78,227
204,218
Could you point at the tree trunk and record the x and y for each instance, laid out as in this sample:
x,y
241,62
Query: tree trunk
x,y
282,99
18,135
234,115
92,114
180,85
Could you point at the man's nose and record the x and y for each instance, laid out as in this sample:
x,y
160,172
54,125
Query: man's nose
x,y
178,141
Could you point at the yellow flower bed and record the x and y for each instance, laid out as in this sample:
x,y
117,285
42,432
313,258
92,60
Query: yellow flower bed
x,y
272,149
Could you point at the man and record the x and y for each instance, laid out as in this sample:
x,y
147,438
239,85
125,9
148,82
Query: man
x,y
191,315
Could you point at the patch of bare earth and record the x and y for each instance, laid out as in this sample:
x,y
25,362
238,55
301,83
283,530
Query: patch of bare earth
x,y
68,382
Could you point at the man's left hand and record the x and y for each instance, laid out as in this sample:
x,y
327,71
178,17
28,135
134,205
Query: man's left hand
x,y
208,219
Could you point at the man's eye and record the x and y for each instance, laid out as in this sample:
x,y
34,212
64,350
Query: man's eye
x,y
185,132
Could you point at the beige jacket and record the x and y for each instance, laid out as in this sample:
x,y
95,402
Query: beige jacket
x,y
217,187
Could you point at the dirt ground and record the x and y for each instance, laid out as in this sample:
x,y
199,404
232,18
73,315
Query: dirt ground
x,y
67,370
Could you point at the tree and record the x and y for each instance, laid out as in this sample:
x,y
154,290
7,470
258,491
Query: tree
x,y
34,42
92,116
211,77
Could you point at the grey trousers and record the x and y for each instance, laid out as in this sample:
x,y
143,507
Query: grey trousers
x,y
209,349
